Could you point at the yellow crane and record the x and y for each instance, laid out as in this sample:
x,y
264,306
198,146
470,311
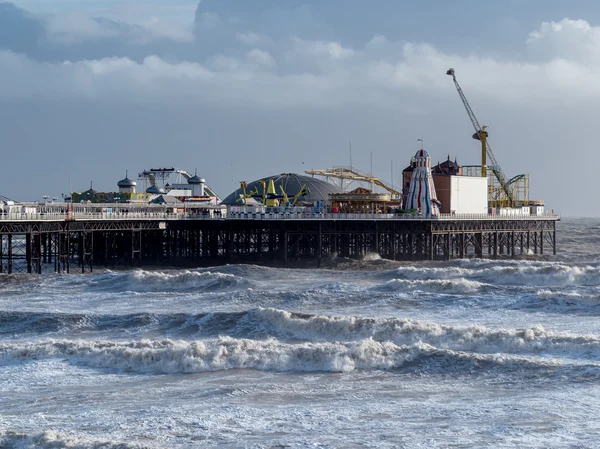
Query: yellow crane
x,y
504,195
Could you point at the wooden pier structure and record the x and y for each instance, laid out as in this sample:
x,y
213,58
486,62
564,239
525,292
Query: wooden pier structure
x,y
82,242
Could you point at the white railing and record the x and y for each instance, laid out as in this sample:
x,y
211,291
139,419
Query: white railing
x,y
156,215
374,216
497,217
105,216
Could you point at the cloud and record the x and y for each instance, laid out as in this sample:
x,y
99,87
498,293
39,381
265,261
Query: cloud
x,y
208,20
261,58
160,28
380,91
253,39
327,73
76,26
331,50
573,40
74,35
20,31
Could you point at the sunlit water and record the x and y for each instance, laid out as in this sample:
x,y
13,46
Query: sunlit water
x,y
373,353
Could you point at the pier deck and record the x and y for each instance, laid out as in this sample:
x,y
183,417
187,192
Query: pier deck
x,y
81,241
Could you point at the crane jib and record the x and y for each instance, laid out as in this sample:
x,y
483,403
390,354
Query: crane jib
x,y
494,166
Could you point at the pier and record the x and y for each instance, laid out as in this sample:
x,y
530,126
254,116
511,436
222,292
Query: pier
x,y
82,239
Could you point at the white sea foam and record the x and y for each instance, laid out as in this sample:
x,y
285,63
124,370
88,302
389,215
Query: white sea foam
x,y
183,280
549,294
286,325
56,440
172,357
402,331
527,273
456,285
225,353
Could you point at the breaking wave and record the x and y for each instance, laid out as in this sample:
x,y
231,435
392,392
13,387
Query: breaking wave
x,y
457,285
226,353
524,273
55,440
264,323
403,331
146,324
175,280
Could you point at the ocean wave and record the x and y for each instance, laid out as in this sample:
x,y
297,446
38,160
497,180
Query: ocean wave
x,y
56,440
175,280
181,325
502,273
264,323
226,353
456,285
584,301
404,331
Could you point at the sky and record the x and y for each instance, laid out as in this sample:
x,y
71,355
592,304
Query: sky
x,y
239,90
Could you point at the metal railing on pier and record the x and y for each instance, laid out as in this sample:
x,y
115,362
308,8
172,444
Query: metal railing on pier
x,y
159,215
375,216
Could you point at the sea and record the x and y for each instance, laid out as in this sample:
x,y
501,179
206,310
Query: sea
x,y
359,354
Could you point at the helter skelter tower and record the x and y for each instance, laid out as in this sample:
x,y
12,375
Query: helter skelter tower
x,y
421,193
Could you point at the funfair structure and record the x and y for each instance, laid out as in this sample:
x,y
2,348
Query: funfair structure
x,y
421,194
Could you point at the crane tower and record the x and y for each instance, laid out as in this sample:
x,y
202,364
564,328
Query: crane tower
x,y
513,192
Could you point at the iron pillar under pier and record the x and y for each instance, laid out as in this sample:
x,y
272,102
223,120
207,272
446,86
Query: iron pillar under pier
x,y
80,246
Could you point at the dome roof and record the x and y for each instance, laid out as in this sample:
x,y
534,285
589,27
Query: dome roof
x,y
421,154
155,190
195,180
126,183
318,190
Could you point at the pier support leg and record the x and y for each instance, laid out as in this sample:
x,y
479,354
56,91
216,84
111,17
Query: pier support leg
x,y
512,244
495,242
87,245
9,267
377,250
136,247
37,253
479,245
67,251
319,245
28,252
259,239
49,238
431,249
522,236
44,248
